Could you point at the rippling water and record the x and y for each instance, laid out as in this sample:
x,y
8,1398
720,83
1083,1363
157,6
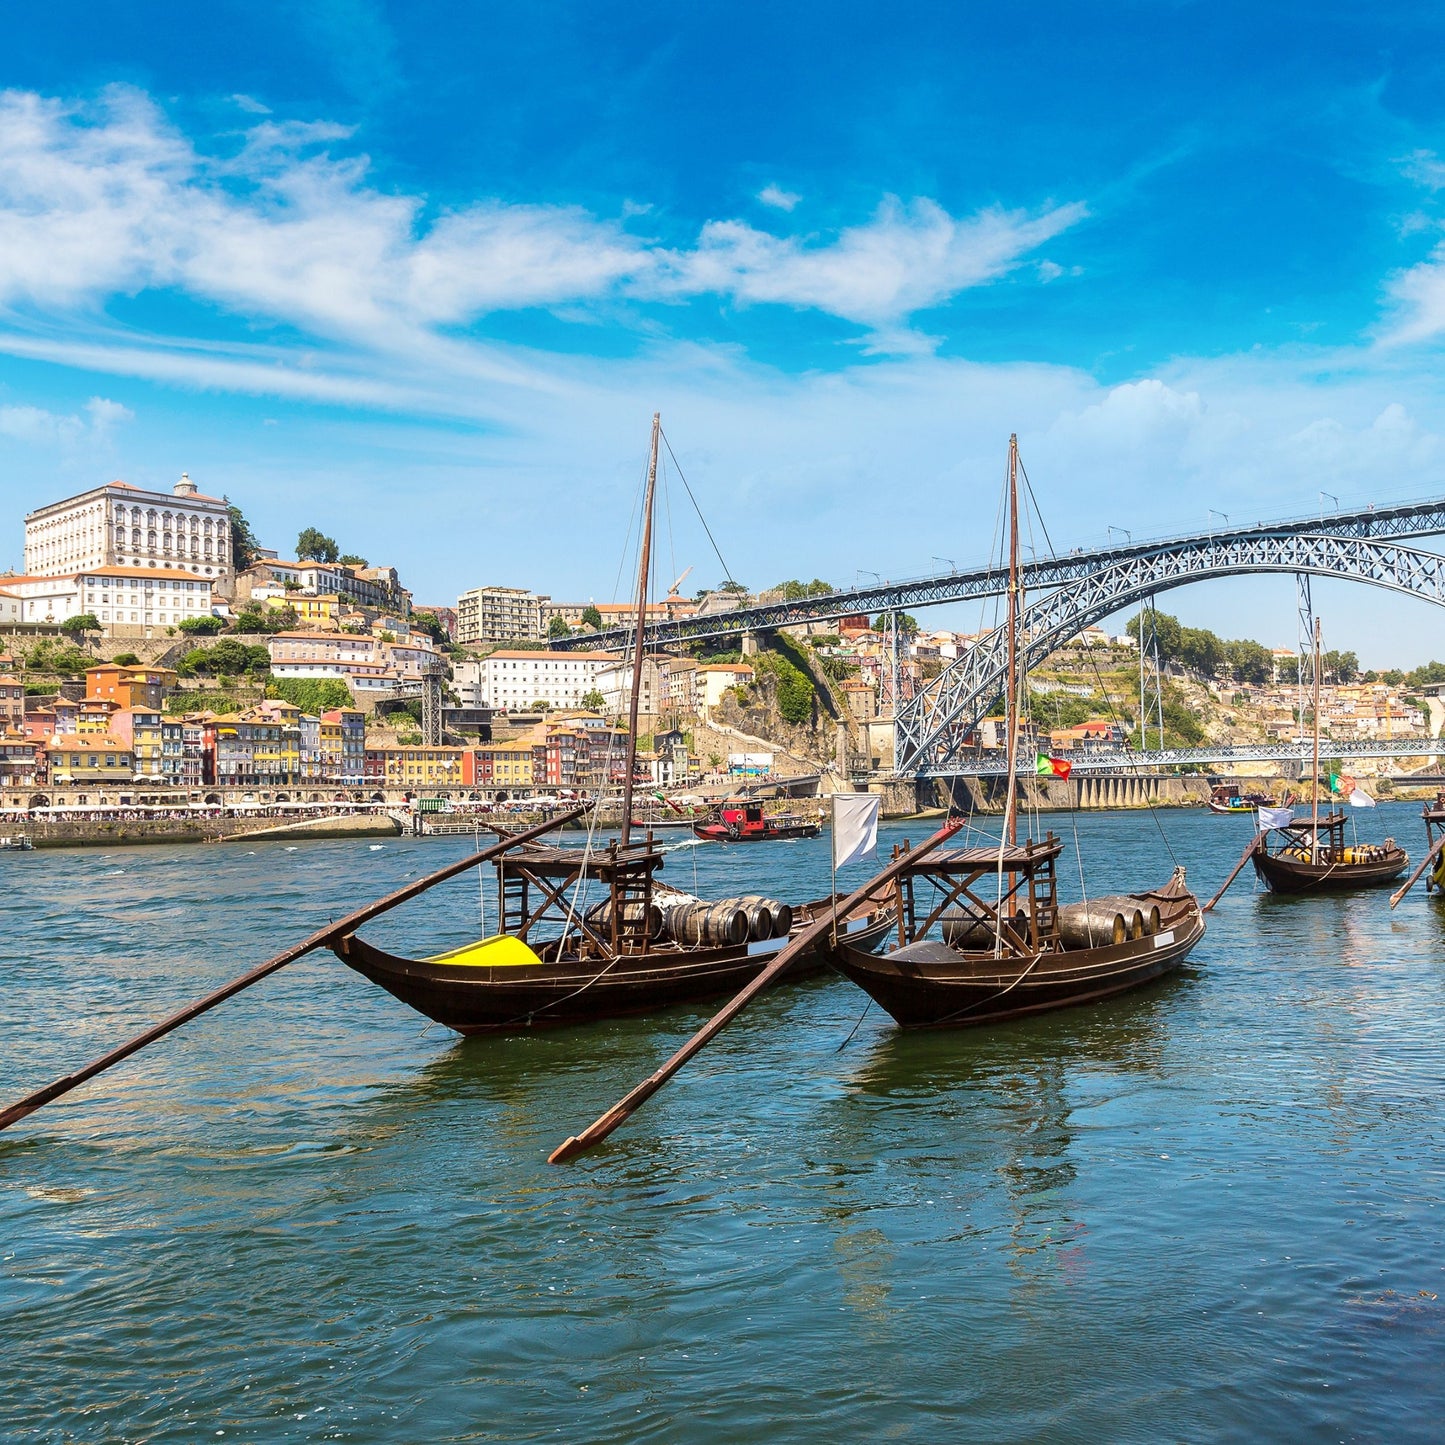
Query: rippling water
x,y
1212,1209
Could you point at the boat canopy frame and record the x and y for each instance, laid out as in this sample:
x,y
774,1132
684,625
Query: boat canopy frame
x,y
1029,874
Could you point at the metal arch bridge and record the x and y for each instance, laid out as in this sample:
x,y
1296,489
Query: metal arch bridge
x,y
1117,761
930,729
1381,523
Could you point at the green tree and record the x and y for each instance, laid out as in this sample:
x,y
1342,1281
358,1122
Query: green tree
x,y
591,617
77,627
1342,666
593,700
557,627
1201,650
430,623
736,588
316,546
1249,661
125,659
1166,632
243,541
350,559
313,695
206,626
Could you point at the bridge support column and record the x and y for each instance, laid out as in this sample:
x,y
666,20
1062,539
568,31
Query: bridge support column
x,y
750,644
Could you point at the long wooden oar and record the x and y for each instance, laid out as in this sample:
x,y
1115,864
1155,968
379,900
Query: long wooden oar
x,y
31,1102
623,1110
1414,878
1238,868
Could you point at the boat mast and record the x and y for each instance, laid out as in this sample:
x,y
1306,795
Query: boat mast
x,y
1315,786
1011,690
644,561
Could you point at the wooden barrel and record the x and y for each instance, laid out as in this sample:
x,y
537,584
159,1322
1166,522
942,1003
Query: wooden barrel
x,y
777,923
600,918
711,925
964,930
1092,925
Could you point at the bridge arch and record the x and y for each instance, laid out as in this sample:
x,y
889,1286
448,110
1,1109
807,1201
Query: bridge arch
x,y
931,727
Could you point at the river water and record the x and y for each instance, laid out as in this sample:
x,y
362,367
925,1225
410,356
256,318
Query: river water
x,y
1209,1210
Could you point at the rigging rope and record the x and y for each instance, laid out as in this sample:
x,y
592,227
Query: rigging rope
x,y
1134,766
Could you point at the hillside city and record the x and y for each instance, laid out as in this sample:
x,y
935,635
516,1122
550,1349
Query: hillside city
x,y
152,640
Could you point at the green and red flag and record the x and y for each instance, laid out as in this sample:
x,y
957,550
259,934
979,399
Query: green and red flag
x,y
1052,767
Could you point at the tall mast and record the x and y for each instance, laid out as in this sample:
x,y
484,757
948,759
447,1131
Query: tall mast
x,y
1011,689
644,561
1315,788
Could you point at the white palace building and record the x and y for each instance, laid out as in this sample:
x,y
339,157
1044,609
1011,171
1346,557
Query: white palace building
x,y
119,525
135,559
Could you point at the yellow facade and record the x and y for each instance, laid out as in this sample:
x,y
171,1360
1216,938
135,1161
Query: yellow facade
x,y
413,767
323,612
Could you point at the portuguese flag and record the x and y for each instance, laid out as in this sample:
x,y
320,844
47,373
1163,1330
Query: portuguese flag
x,y
1046,767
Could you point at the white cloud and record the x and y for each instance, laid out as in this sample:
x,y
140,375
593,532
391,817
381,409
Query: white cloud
x,y
778,198
250,104
35,426
907,258
111,199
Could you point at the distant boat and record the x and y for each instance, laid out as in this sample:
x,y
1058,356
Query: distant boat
x,y
1310,854
742,822
1228,799
16,843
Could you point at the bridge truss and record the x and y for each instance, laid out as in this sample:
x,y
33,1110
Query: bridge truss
x,y
1384,523
930,731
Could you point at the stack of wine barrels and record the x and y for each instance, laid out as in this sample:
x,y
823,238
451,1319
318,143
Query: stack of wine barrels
x,y
1106,922
726,923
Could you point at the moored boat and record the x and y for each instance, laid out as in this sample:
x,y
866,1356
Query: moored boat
x,y
1311,854
1227,798
981,934
996,959
589,933
644,948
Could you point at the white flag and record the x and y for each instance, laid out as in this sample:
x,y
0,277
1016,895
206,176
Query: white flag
x,y
1359,798
855,826
1275,818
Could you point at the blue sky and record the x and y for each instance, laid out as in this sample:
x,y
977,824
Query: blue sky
x,y
419,275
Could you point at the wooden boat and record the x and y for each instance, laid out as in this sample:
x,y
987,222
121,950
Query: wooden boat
x,y
1004,945
16,843
588,933
1002,958
1228,799
622,956
1311,854
744,822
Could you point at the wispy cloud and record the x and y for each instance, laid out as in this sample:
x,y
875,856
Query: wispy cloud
x,y
110,199
778,198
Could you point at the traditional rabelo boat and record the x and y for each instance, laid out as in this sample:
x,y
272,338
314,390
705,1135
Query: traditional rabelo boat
x,y
1310,854
590,933
742,821
1004,945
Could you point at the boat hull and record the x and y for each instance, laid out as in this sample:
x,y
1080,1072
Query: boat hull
x,y
929,984
720,833
478,999
1291,875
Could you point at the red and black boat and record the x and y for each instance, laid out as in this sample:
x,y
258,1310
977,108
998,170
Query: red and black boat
x,y
745,822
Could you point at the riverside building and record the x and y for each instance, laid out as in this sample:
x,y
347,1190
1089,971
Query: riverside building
x,y
120,525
